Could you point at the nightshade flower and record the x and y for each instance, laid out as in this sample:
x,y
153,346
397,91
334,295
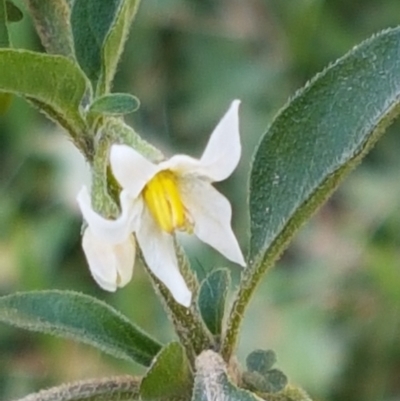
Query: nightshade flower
x,y
174,195
109,245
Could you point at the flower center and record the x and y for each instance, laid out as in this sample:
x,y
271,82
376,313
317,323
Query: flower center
x,y
162,197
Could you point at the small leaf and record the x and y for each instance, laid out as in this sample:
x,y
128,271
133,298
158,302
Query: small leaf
x,y
53,83
277,380
52,23
91,21
212,297
169,377
82,318
114,43
260,361
14,14
274,390
212,382
115,104
100,30
254,381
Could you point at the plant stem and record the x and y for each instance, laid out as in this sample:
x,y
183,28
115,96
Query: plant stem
x,y
267,259
247,287
116,388
187,322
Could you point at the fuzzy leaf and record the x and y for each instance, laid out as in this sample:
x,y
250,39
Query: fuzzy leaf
x,y
314,142
115,104
52,22
82,318
100,30
317,138
212,297
212,382
114,43
169,377
261,360
277,380
91,21
53,83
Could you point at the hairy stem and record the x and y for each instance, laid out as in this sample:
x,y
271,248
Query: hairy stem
x,y
117,388
187,322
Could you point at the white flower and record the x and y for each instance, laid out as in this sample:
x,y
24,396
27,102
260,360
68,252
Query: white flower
x,y
109,245
158,199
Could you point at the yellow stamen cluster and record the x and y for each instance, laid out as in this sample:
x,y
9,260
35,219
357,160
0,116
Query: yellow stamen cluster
x,y
162,197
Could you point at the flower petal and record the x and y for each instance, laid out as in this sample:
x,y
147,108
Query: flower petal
x,y
222,153
183,165
131,169
211,213
111,265
125,254
113,231
159,254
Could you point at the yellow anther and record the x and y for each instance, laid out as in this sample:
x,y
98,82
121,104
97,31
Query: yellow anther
x,y
162,197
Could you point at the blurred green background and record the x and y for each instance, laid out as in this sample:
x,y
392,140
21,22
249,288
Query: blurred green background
x,y
331,308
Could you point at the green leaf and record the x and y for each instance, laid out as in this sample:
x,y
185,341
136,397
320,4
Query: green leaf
x,y
114,43
52,22
212,382
4,36
212,297
277,380
261,360
14,14
91,21
53,83
82,318
169,377
272,382
100,30
276,389
319,136
313,143
115,104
